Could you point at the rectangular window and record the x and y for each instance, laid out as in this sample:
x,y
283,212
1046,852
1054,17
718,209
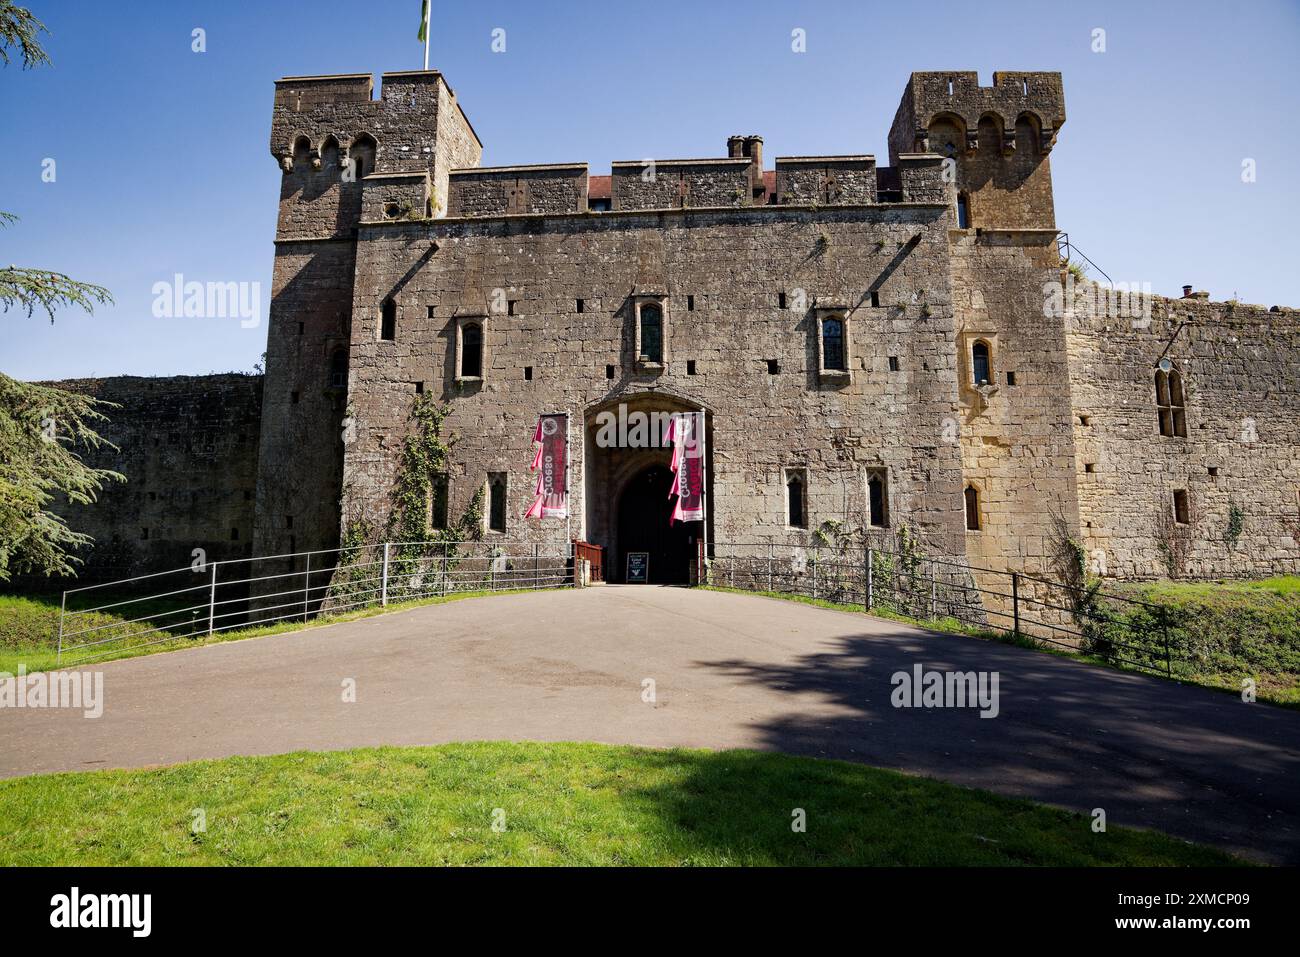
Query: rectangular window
x,y
1011,378
234,534
690,367
1182,511
773,367
609,372
528,373
497,501
388,321
893,363
438,490
431,308
293,398
878,499
301,326
510,307
419,388
581,305
875,299
471,350
690,303
780,300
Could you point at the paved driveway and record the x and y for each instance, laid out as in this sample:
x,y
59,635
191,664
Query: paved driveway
x,y
729,671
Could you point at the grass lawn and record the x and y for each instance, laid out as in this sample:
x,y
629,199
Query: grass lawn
x,y
575,804
29,629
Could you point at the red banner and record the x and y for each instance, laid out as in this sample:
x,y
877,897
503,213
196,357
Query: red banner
x,y
551,463
686,433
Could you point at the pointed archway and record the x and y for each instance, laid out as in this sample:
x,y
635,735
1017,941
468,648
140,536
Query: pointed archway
x,y
643,526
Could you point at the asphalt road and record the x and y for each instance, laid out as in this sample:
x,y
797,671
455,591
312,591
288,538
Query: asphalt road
x,y
728,671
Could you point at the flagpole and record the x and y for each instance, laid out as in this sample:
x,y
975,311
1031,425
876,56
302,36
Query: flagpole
x,y
426,49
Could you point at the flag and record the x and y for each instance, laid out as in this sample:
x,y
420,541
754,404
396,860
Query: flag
x,y
551,463
686,434
424,21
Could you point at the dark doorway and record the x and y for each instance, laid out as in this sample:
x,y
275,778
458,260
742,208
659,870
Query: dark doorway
x,y
643,512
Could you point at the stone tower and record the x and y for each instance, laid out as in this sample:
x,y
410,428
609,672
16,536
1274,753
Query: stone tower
x,y
1000,137
346,159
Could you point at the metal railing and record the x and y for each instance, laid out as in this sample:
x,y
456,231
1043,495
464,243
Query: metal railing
x,y
1118,629
207,598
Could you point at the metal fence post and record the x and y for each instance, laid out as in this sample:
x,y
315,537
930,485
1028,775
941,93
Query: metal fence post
x,y
306,587
212,599
870,593
934,599
769,566
446,549
1015,602
63,607
536,572
814,594
383,583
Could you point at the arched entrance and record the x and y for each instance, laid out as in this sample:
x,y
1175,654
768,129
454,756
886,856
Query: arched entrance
x,y
643,511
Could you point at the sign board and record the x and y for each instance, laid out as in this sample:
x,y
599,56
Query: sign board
x,y
638,568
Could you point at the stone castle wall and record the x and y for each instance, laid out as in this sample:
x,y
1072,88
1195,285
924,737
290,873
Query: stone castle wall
x,y
1240,370
188,446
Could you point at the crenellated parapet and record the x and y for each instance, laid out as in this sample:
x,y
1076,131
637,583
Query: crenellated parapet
x,y
328,133
1014,101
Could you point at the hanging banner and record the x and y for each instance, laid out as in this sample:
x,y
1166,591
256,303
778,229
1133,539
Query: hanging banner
x,y
551,463
686,434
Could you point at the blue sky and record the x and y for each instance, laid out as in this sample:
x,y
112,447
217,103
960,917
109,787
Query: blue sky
x,y
163,164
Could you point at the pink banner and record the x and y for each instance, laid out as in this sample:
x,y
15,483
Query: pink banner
x,y
551,463
686,433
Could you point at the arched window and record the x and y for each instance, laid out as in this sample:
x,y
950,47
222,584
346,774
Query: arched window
x,y
361,156
794,500
497,501
833,344
972,508
471,351
338,369
876,509
388,320
1170,405
652,333
981,366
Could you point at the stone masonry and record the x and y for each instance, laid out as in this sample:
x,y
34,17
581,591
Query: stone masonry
x,y
990,421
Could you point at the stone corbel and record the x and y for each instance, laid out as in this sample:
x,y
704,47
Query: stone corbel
x,y
286,162
972,139
922,138
344,157
1009,141
1046,139
315,158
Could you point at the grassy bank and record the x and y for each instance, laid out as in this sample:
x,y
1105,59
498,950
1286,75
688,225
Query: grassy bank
x,y
29,629
1225,632
1221,632
575,804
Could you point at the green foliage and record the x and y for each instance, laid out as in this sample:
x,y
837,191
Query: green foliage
x,y
18,28
1230,629
422,560
40,428
1236,523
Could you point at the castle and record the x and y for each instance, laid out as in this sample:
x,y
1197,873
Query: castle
x,y
873,345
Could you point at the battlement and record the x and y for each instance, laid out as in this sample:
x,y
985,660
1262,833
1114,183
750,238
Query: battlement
x,y
329,133
999,137
956,97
